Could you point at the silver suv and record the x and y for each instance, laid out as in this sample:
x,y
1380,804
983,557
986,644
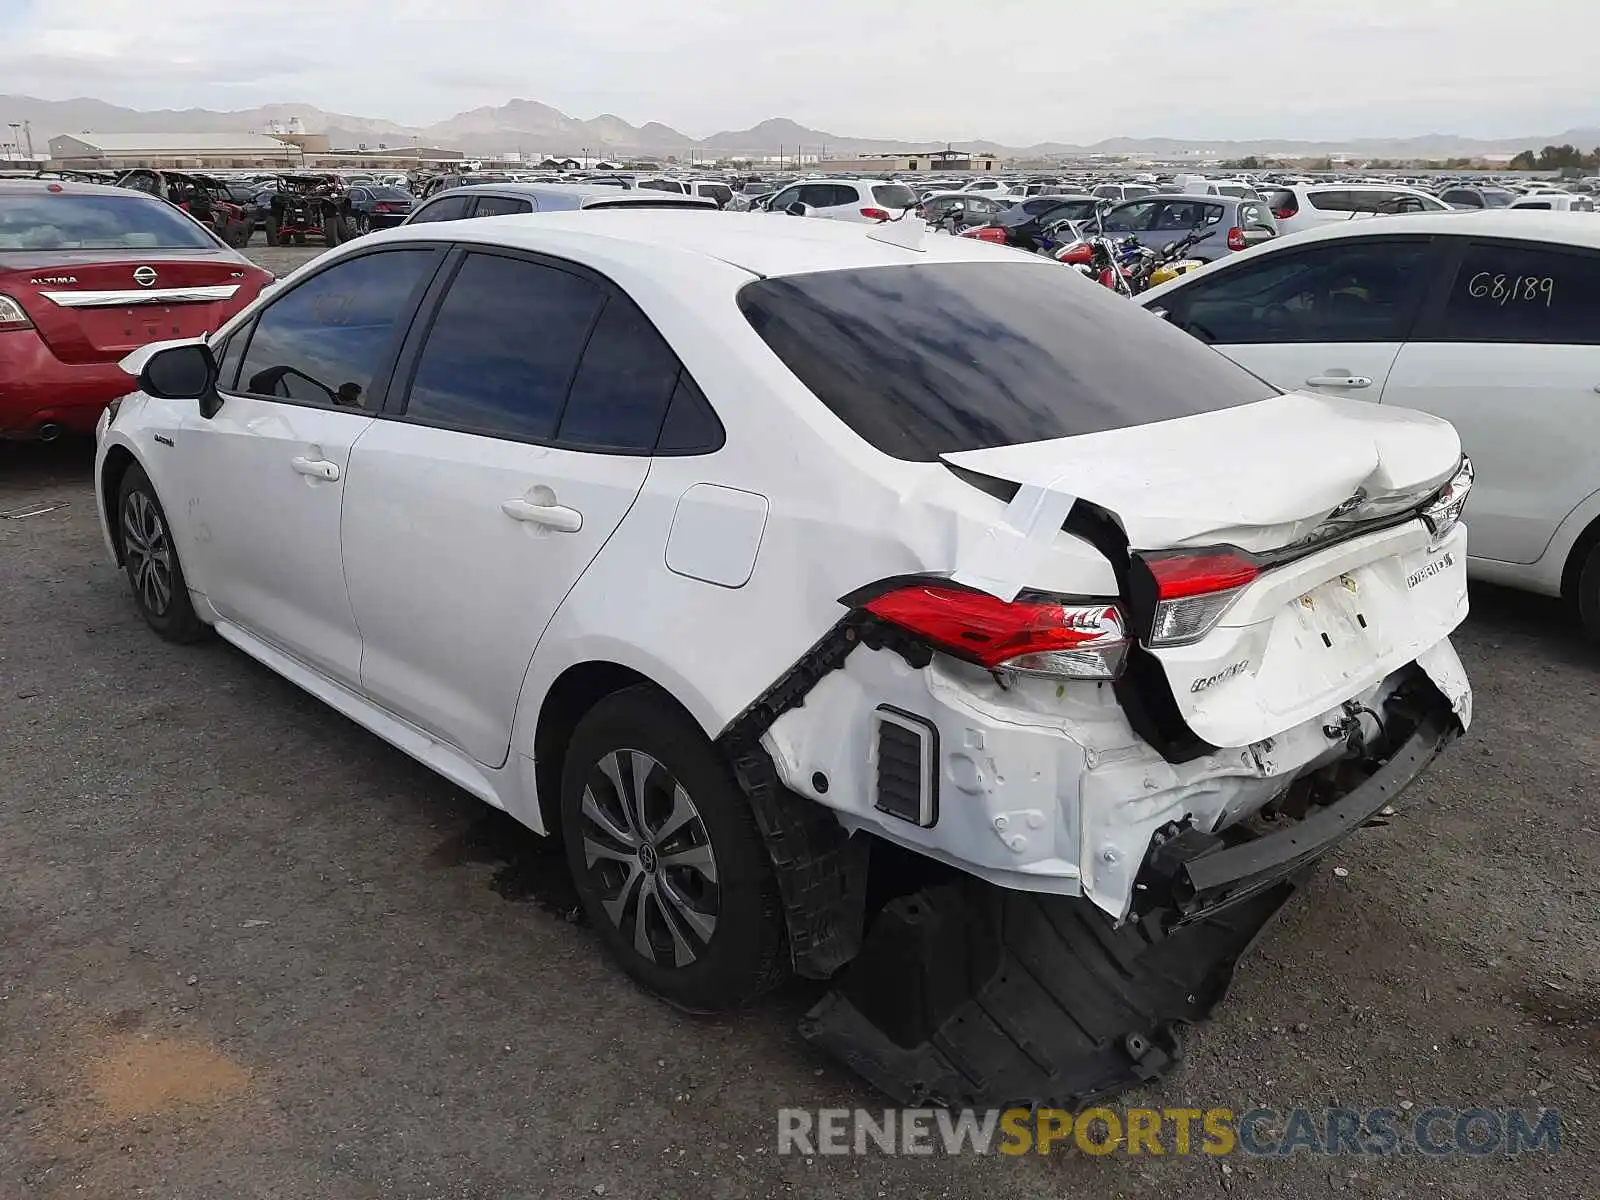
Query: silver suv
x,y
1155,221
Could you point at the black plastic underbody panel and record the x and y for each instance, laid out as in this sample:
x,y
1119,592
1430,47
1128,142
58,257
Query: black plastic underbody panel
x,y
968,995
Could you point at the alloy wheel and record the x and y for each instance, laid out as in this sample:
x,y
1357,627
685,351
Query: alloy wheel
x,y
148,550
648,851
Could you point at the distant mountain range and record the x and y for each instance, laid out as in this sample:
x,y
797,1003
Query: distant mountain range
x,y
536,128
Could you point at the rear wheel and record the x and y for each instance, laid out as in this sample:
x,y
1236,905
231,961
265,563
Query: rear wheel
x,y
363,224
1587,593
151,561
666,855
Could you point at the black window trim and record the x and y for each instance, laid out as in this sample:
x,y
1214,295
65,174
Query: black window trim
x,y
1439,256
1429,326
383,375
404,368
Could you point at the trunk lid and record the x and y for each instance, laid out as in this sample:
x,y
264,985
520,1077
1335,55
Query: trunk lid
x,y
98,305
1308,632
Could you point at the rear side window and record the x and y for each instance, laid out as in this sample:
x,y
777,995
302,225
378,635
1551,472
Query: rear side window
x,y
450,208
923,360
1542,204
502,350
1524,292
501,206
619,398
1332,201
324,342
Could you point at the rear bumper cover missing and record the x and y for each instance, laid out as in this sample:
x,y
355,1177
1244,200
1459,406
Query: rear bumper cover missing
x,y
969,995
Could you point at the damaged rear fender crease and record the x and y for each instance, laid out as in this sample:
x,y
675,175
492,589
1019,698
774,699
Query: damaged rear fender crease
x,y
1044,786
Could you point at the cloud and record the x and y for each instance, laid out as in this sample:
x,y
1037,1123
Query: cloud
x,y
1018,71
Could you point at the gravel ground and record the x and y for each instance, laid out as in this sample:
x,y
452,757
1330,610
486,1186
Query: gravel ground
x,y
251,951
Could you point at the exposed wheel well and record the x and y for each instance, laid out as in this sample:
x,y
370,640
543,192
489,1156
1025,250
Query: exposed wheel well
x,y
578,689
1579,555
118,460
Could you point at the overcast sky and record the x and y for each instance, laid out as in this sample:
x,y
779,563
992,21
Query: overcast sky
x,y
1016,71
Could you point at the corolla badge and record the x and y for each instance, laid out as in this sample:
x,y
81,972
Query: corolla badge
x,y
144,276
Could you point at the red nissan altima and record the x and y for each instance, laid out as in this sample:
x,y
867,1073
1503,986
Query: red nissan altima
x,y
88,273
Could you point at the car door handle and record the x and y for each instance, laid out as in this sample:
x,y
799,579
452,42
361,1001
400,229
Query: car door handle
x,y
552,516
317,468
1339,381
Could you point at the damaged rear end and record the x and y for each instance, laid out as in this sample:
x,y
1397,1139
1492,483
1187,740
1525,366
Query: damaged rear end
x,y
1190,657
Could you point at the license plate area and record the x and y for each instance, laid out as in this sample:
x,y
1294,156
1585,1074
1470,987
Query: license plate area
x,y
1337,616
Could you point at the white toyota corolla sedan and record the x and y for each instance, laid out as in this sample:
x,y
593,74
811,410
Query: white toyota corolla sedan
x,y
764,559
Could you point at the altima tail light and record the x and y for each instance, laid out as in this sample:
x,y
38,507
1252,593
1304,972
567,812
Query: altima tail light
x,y
1444,510
1193,589
1037,636
11,315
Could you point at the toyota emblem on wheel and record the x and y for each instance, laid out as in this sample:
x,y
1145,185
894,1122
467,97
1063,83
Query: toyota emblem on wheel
x,y
144,276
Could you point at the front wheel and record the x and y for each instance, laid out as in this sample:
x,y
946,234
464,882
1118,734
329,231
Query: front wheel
x,y
151,560
666,855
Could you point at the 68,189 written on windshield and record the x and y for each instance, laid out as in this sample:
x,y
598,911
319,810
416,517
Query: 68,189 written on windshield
x,y
1505,289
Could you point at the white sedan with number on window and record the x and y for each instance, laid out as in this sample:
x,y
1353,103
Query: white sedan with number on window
x,y
1489,320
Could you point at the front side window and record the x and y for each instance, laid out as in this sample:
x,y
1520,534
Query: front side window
x,y
923,360
325,341
1130,218
1524,292
1353,291
502,350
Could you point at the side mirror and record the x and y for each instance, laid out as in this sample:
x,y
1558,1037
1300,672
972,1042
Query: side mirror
x,y
798,209
183,373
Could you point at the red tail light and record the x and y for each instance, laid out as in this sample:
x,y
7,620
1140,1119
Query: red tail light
x,y
986,233
1193,589
380,206
11,315
1236,239
875,214
1046,637
1283,214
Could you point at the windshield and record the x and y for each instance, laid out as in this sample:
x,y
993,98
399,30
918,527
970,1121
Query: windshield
x,y
66,222
389,193
930,359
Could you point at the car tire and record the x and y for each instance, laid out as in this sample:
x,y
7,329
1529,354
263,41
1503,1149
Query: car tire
x,y
150,560
680,886
1586,595
363,224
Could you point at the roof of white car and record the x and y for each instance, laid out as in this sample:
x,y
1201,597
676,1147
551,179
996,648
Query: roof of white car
x,y
762,243
1575,229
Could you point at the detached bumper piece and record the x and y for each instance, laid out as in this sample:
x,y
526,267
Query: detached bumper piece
x,y
1197,873
968,995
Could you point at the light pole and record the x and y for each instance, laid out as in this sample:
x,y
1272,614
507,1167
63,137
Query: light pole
x,y
16,139
585,152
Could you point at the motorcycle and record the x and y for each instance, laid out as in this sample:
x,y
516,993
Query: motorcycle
x,y
1173,260
1110,263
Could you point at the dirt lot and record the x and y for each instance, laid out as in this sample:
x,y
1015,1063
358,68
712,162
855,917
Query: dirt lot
x,y
251,951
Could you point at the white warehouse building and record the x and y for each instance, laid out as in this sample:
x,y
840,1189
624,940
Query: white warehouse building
x,y
192,151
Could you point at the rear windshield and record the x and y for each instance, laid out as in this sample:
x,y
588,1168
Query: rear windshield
x,y
66,222
894,195
389,193
931,359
